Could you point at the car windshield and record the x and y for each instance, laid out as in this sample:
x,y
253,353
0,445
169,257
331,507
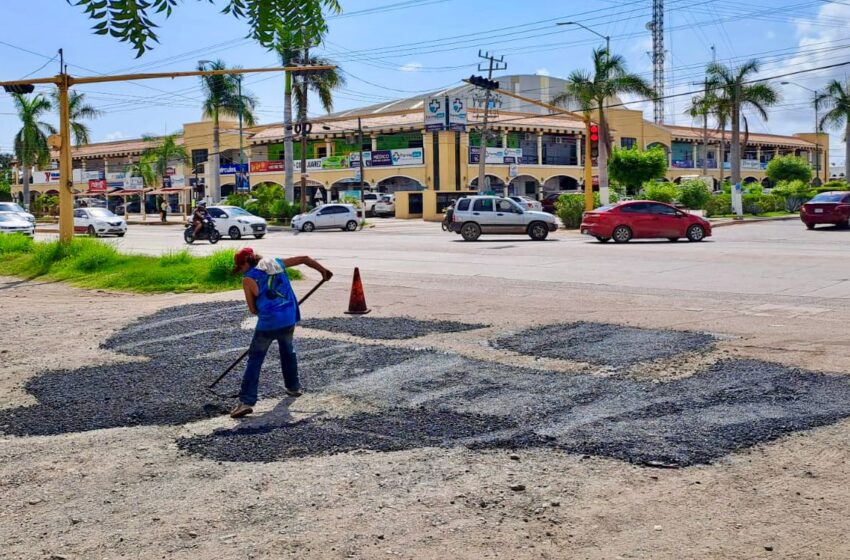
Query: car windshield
x,y
7,218
238,212
829,197
604,208
10,207
101,213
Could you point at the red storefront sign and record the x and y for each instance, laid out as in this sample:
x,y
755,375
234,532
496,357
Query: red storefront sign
x,y
97,186
266,166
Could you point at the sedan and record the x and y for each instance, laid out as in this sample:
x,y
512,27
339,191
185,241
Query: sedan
x,y
329,216
385,206
827,208
235,222
643,219
98,221
549,201
527,203
12,223
13,208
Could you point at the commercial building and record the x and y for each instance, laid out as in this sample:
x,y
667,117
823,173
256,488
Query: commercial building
x,y
530,151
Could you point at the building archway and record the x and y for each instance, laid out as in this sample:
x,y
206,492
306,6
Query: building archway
x,y
558,183
396,183
227,190
497,185
748,180
767,183
661,145
265,183
524,185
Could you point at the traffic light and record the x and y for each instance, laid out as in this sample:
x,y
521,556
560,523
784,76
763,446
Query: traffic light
x,y
482,82
593,130
20,88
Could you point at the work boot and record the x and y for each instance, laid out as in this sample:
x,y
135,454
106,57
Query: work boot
x,y
294,392
241,410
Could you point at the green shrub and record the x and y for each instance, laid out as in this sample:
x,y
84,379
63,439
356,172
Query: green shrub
x,y
569,209
15,243
752,204
660,192
92,256
789,168
719,205
220,265
237,199
795,193
694,194
834,185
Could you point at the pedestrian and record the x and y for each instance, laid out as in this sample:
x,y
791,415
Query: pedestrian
x,y
163,210
269,296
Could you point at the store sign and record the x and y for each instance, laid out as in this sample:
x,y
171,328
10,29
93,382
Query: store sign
x,y
407,156
496,156
335,162
81,176
45,177
233,169
457,114
435,114
382,158
267,166
750,164
97,185
513,170
354,159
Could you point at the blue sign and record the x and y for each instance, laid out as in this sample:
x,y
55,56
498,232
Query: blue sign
x,y
233,168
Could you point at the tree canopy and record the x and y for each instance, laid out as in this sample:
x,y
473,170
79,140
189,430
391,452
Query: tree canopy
x,y
633,167
789,168
134,22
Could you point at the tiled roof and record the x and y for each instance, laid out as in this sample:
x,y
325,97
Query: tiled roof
x,y
104,149
691,133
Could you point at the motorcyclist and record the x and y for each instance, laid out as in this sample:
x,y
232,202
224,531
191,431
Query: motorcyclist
x,y
199,216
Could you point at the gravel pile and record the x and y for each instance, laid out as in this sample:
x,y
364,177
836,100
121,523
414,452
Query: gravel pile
x,y
387,328
603,344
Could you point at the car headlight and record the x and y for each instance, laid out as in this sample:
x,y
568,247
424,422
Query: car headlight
x,y
243,221
31,219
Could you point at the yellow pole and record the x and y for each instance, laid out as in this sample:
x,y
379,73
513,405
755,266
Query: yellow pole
x,y
66,181
588,167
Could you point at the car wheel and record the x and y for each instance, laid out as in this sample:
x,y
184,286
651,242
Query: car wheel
x,y
696,233
351,225
234,233
470,231
810,226
91,232
673,239
622,234
259,235
538,231
308,226
603,239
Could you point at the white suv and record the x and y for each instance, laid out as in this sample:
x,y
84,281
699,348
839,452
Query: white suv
x,y
475,215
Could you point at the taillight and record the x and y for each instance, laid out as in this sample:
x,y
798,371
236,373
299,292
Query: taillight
x,y
455,218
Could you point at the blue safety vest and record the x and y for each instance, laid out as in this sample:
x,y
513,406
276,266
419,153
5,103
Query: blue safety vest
x,y
277,307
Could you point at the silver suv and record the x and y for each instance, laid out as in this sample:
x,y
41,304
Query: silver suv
x,y
474,215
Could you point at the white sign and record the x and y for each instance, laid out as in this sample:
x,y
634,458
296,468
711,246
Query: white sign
x,y
457,114
81,176
513,170
750,164
435,114
44,177
497,156
408,156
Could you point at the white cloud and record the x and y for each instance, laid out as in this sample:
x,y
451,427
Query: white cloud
x,y
542,72
114,136
411,67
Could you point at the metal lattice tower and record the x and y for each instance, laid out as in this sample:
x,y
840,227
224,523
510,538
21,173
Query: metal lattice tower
x,y
657,28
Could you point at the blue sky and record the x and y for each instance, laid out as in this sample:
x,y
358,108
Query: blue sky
x,y
397,48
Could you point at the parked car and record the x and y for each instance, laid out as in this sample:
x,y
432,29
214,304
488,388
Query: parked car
x,y
90,203
827,208
643,219
477,215
548,202
527,203
235,222
98,221
12,223
385,206
370,199
13,208
329,216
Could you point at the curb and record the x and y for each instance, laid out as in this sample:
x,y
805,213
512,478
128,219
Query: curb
x,y
753,220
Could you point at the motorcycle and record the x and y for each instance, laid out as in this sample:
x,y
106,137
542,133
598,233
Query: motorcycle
x,y
447,219
207,231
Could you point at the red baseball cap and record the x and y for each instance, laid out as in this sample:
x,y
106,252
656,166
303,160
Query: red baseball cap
x,y
242,257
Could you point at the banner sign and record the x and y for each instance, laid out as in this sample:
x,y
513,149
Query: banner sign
x,y
382,158
335,162
44,177
496,156
233,168
81,176
435,114
457,115
267,166
407,156
97,185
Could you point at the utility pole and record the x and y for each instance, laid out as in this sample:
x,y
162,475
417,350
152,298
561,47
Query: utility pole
x,y
657,28
493,64
64,82
303,124
243,174
360,151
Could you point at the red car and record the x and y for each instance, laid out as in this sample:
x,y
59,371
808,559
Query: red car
x,y
643,219
549,201
827,208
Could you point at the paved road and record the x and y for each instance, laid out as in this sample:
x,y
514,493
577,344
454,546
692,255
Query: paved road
x,y
768,258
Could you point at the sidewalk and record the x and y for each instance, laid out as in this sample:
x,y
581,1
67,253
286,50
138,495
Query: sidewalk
x,y
720,222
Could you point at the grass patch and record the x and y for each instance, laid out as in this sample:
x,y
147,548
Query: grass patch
x,y
762,215
90,263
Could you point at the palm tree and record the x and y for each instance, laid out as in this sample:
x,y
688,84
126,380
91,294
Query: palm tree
x,y
222,99
736,87
31,141
164,150
836,100
79,111
320,82
713,104
610,78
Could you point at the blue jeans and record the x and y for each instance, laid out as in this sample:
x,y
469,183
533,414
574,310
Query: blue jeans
x,y
257,354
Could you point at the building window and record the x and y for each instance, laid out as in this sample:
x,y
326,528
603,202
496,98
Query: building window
x,y
628,143
559,150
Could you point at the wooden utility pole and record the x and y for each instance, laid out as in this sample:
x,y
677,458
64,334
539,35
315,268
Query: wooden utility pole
x,y
63,81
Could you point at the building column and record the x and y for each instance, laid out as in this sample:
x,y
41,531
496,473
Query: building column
x,y
504,139
328,147
695,154
758,154
105,167
375,142
539,148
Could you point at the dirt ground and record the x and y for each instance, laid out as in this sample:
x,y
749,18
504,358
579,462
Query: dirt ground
x,y
132,493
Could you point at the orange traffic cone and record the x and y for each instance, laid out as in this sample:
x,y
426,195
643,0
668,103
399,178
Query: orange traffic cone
x,y
357,303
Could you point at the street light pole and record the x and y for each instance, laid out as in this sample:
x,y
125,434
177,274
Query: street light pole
x,y
241,149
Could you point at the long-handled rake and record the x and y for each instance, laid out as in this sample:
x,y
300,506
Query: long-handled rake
x,y
245,353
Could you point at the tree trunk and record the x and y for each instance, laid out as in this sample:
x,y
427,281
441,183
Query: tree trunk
x,y
721,157
26,186
735,156
288,161
846,153
214,163
603,158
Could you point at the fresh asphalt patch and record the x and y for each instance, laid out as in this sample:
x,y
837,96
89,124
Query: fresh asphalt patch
x,y
386,328
418,398
603,344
